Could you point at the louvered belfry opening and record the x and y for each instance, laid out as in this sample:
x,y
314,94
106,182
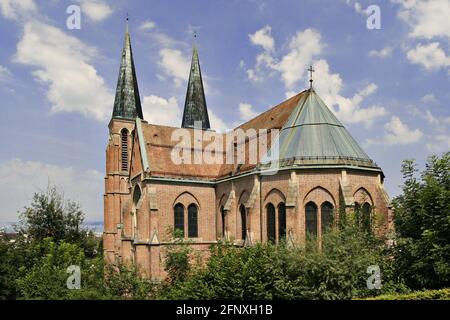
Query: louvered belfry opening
x,y
124,149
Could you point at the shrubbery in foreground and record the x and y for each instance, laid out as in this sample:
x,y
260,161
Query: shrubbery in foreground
x,y
265,271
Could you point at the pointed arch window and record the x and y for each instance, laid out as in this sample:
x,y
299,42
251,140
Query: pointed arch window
x,y
327,216
136,195
281,221
136,198
311,219
124,149
179,219
243,222
271,223
366,217
192,221
222,215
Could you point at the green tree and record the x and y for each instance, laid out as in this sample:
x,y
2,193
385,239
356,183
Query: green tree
x,y
46,279
50,215
422,220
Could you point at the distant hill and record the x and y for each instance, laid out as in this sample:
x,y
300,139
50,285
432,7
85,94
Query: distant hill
x,y
95,226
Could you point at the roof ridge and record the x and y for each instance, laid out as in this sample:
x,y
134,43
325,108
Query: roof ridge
x,y
270,109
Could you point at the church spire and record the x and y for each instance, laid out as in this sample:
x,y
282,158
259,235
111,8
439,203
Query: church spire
x,y
127,104
195,109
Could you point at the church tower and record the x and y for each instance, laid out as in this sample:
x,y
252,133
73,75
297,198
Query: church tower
x,y
195,109
127,107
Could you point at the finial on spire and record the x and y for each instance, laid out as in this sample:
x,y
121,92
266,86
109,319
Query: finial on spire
x,y
126,22
194,32
311,70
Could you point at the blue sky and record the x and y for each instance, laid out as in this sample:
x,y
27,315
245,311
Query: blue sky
x,y
390,87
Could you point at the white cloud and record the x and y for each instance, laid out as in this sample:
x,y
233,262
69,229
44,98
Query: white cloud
x,y
63,62
440,124
263,61
357,6
246,111
20,179
162,111
263,38
290,94
175,64
96,10
429,98
430,56
158,37
427,18
17,9
216,122
398,133
147,25
348,110
439,143
383,53
303,48
5,74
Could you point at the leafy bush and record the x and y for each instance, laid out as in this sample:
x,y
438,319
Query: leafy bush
x,y
422,219
443,294
124,282
265,271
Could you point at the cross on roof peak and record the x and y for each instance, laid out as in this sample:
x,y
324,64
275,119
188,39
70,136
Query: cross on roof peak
x,y
311,70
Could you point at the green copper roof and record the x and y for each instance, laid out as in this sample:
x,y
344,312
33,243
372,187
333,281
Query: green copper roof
x,y
195,108
127,104
314,136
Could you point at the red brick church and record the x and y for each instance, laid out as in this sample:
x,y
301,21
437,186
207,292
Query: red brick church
x,y
321,172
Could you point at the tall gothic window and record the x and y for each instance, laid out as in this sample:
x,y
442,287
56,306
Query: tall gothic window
x,y
136,197
222,215
179,219
192,221
243,222
327,216
366,217
311,219
271,223
124,149
281,221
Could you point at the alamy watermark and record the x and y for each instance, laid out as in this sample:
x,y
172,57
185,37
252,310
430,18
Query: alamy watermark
x,y
73,20
74,280
373,17
374,281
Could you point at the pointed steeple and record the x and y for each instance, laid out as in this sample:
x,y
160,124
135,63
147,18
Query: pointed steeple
x,y
195,108
127,104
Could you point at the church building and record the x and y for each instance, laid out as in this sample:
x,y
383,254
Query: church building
x,y
321,174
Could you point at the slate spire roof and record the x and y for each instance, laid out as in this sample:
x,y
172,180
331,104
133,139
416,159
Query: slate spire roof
x,y
314,136
195,108
127,103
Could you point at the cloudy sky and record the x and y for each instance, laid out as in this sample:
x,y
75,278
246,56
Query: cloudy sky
x,y
390,87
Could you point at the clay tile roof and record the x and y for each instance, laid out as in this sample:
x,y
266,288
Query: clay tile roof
x,y
322,137
159,146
